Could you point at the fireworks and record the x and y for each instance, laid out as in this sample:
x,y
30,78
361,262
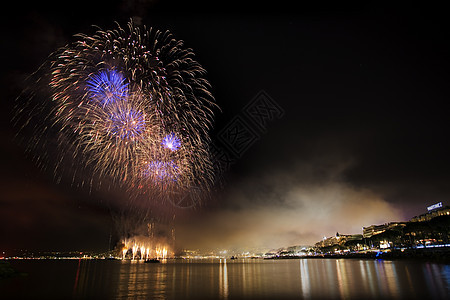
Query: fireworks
x,y
143,248
132,106
171,142
107,86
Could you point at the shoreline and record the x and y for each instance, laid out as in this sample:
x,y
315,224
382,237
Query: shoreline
x,y
432,255
440,255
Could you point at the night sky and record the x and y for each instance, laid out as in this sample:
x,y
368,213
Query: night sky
x,y
363,139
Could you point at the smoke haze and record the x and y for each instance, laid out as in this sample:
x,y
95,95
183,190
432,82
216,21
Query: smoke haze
x,y
288,208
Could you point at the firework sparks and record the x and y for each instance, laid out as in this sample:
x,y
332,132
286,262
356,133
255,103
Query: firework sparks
x,y
107,86
126,124
172,142
144,248
135,108
162,170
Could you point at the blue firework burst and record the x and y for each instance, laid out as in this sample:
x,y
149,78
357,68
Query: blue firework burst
x,y
126,123
107,86
172,142
162,170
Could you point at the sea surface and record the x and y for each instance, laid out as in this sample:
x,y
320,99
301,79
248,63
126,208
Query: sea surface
x,y
228,279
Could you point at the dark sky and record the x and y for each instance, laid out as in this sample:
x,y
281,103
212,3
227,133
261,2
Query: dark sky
x,y
363,140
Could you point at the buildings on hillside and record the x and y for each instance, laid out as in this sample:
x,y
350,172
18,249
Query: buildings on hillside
x,y
434,210
372,230
338,239
394,234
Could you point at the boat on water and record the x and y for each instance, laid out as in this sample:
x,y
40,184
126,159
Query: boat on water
x,y
152,261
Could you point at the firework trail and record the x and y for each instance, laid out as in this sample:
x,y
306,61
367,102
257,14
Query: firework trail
x,y
130,105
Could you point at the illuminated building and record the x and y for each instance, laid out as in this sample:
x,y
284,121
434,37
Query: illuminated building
x,y
338,239
434,210
377,229
394,234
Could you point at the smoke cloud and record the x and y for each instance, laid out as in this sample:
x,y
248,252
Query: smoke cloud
x,y
284,208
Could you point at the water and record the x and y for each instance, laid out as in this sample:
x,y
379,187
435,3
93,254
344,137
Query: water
x,y
228,279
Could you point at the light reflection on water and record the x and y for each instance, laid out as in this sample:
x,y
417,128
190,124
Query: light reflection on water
x,y
304,278
231,279
374,279
223,279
